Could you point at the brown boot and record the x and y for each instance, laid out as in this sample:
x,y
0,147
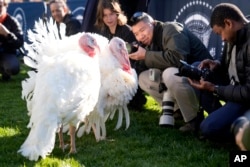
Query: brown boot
x,y
188,127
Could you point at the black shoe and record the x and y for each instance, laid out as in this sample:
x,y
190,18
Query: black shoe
x,y
194,124
188,127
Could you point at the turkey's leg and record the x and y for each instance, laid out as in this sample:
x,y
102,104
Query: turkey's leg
x,y
72,132
61,141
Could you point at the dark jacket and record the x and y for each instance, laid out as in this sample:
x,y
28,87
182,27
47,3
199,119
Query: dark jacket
x,y
171,43
241,91
73,26
15,39
122,32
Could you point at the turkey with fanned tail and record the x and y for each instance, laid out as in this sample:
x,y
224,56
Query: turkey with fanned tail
x,y
63,90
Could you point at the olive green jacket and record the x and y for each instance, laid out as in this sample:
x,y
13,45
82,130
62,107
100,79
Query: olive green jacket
x,y
171,43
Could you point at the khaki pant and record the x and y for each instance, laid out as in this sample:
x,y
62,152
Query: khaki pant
x,y
179,90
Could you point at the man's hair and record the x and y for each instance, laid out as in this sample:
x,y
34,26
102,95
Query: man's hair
x,y
140,16
224,11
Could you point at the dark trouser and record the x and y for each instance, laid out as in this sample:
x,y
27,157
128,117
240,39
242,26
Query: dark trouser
x,y
208,101
9,64
218,123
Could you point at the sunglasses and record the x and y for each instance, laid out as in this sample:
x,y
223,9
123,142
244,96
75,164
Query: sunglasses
x,y
137,17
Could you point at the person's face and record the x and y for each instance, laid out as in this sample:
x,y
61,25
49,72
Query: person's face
x,y
109,18
143,32
2,8
227,33
57,11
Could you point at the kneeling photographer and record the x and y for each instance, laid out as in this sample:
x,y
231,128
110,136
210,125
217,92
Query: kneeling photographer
x,y
217,125
207,101
166,43
233,70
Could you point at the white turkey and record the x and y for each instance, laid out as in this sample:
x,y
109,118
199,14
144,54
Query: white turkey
x,y
118,85
64,90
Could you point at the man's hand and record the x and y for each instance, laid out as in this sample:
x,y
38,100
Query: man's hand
x,y
210,64
139,54
202,85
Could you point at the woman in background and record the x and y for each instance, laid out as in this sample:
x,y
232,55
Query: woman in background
x,y
62,14
110,22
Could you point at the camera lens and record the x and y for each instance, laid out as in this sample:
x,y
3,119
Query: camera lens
x,y
132,47
238,123
195,73
129,47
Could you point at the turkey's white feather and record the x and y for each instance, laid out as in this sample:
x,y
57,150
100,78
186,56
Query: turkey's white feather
x,y
44,40
117,89
64,90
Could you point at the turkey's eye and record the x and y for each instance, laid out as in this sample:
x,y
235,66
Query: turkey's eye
x,y
91,41
120,45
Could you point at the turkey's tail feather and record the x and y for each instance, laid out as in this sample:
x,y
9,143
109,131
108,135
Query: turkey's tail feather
x,y
120,117
95,122
28,86
29,60
40,141
121,110
81,131
127,117
43,33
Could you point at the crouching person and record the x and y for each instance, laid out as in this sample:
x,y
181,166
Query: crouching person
x,y
164,45
234,66
11,39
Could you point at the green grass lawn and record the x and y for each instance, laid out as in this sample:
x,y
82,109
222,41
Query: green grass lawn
x,y
143,144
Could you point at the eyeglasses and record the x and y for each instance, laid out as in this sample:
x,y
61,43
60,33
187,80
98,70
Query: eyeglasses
x,y
136,17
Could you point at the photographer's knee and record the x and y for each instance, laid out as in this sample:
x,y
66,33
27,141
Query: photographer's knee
x,y
169,77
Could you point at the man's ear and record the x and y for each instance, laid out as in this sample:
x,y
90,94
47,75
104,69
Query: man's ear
x,y
66,10
228,22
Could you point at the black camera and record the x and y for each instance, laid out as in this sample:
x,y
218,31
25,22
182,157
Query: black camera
x,y
244,123
132,47
194,73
